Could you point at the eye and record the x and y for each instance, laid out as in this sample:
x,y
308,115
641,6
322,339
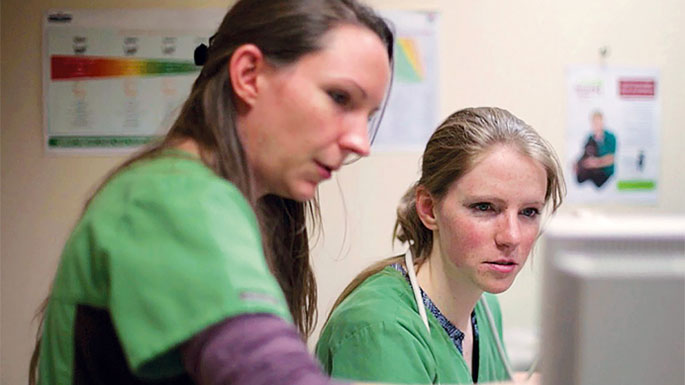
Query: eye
x,y
340,98
530,212
481,206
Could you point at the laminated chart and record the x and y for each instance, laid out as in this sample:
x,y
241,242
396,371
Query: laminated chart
x,y
412,110
115,79
409,67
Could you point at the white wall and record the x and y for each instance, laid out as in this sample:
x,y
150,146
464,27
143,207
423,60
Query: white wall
x,y
510,54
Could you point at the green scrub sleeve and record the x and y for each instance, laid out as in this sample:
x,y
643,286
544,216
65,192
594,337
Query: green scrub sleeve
x,y
184,255
391,351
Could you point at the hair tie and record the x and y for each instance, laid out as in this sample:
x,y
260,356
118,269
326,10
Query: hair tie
x,y
200,54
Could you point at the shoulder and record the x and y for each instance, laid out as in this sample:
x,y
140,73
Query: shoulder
x,y
376,334
171,183
386,292
609,135
168,209
172,174
382,303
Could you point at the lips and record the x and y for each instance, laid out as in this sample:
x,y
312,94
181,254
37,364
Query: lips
x,y
324,171
502,265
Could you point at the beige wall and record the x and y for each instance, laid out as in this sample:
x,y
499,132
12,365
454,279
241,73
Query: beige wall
x,y
506,53
512,54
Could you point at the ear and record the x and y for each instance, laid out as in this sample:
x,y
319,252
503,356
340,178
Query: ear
x,y
425,208
244,68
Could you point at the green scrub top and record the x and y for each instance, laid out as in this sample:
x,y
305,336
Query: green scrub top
x,y
607,147
167,248
376,334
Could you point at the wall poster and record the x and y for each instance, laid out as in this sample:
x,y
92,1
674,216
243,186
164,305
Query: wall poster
x,y
114,79
613,125
412,110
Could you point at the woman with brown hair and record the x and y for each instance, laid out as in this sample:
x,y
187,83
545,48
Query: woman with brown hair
x,y
471,220
191,262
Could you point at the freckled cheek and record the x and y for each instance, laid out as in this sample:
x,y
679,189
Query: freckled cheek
x,y
529,237
467,237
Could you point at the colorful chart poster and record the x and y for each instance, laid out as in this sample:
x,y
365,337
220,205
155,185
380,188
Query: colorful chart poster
x,y
412,110
115,79
613,135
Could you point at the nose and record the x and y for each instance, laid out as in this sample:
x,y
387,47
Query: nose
x,y
355,137
509,231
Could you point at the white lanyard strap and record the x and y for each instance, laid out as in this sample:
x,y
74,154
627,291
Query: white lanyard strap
x,y
409,261
495,334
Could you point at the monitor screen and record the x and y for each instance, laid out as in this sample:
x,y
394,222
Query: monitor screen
x,y
613,301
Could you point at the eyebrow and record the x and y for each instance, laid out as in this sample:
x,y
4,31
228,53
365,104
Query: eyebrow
x,y
353,84
475,198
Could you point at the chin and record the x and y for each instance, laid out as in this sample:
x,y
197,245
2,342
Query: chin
x,y
301,193
302,197
497,288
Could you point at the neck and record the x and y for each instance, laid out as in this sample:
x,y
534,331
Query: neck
x,y
190,146
448,289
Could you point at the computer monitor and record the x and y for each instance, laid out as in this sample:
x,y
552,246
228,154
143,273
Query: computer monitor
x,y
613,301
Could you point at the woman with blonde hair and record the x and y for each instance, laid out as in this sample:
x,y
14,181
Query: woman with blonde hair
x,y
470,222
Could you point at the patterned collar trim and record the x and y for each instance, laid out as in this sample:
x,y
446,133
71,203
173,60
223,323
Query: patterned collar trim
x,y
456,335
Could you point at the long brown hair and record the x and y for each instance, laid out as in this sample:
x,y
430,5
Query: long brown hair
x,y
453,150
284,30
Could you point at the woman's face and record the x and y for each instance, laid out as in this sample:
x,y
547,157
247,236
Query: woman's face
x,y
489,219
309,116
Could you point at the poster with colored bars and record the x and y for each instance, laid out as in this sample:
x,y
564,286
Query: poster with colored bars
x,y
411,114
613,134
115,79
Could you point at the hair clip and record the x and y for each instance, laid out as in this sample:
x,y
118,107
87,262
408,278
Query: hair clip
x,y
200,54
202,51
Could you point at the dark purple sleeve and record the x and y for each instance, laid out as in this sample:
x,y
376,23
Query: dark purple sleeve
x,y
251,349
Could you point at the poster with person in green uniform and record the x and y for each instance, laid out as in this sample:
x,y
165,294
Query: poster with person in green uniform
x,y
612,136
596,164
